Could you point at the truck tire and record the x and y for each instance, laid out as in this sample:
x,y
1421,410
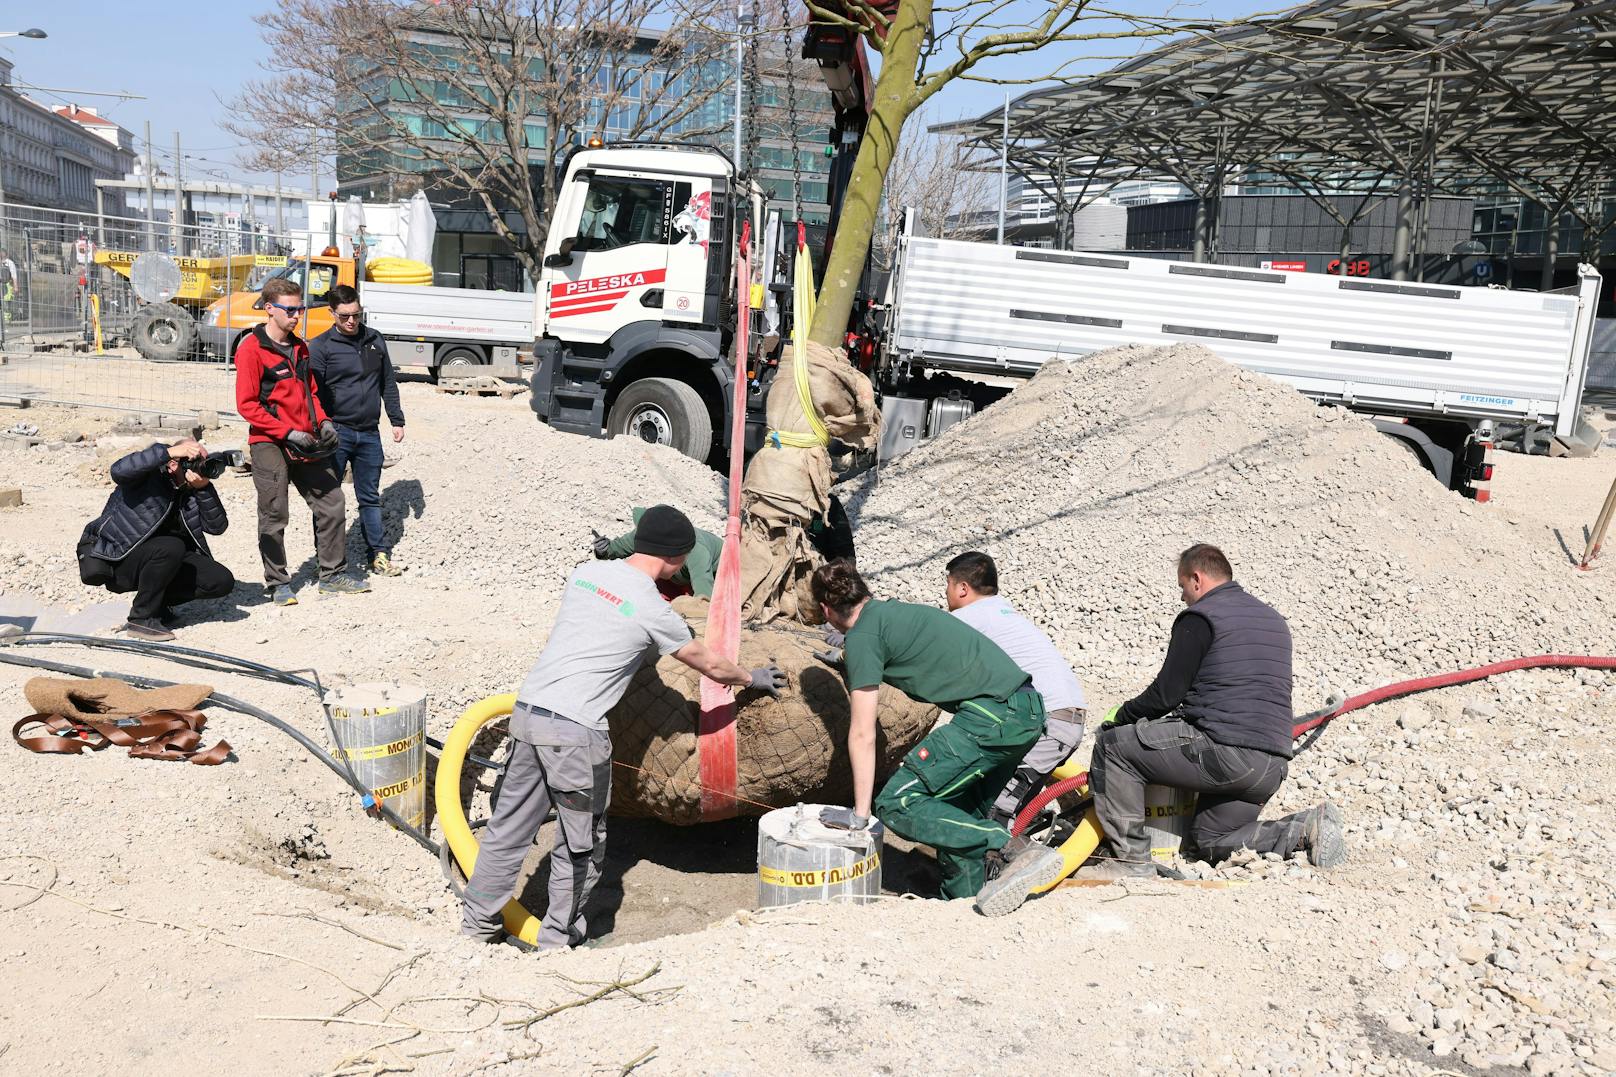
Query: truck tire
x,y
459,363
163,332
664,412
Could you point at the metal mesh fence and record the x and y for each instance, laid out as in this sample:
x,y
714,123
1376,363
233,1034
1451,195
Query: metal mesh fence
x,y
123,314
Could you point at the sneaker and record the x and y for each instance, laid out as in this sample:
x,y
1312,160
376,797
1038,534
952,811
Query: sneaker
x,y
1322,838
343,585
382,564
150,630
282,594
1028,866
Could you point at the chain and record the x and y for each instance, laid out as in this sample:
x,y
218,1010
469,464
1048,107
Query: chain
x,y
791,113
753,82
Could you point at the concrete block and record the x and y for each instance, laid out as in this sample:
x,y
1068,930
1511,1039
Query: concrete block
x,y
13,401
207,420
10,497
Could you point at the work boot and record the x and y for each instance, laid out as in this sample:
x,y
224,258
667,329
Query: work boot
x,y
149,629
1026,866
1116,870
282,594
343,585
1322,839
381,564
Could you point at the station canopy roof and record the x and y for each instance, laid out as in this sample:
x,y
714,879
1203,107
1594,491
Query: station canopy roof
x,y
1456,96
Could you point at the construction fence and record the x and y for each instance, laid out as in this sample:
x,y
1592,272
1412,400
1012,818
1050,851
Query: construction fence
x,y
128,314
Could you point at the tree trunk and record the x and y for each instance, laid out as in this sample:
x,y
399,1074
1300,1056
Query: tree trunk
x,y
895,99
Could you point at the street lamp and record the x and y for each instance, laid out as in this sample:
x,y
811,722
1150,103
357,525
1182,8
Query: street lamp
x,y
36,34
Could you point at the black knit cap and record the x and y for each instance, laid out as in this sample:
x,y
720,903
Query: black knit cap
x,y
664,531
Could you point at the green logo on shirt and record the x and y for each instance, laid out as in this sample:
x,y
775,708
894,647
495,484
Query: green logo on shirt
x,y
622,605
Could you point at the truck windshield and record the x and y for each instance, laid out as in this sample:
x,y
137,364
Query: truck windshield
x,y
315,283
619,212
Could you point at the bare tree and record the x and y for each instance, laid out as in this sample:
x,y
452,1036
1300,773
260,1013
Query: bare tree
x,y
936,176
490,93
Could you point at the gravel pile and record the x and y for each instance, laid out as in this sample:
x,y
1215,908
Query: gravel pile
x,y
1492,799
1086,482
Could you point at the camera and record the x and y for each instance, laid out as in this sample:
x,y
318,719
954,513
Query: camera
x,y
214,464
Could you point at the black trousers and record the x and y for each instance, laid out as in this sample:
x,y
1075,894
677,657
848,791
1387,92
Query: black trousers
x,y
1233,783
164,570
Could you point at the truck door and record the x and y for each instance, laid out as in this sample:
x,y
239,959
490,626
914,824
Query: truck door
x,y
619,256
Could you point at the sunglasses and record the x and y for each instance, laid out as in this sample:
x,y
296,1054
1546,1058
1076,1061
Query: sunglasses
x,y
342,317
288,309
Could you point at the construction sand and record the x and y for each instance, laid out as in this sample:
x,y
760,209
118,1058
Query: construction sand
x,y
253,919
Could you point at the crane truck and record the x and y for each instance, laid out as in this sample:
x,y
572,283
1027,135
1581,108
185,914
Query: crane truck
x,y
636,311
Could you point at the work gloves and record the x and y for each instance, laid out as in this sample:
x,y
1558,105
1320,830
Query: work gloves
x,y
834,642
1113,717
302,441
843,819
770,678
602,545
326,439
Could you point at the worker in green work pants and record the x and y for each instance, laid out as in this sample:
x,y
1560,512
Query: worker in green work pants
x,y
944,791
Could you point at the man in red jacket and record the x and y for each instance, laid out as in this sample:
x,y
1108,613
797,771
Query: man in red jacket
x,y
291,442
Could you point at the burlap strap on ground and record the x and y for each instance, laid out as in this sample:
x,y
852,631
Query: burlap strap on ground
x,y
785,486
108,697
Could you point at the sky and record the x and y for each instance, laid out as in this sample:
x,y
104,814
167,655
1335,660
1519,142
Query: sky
x,y
187,59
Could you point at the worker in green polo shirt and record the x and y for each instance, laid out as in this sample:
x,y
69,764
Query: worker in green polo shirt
x,y
701,567
943,792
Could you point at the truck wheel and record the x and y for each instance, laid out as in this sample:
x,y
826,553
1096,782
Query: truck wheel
x,y
664,412
163,332
459,363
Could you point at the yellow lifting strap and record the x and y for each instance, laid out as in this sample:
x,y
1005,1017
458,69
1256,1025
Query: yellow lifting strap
x,y
802,289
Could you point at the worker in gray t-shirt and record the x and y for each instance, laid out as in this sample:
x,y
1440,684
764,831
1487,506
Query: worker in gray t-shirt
x,y
611,620
973,597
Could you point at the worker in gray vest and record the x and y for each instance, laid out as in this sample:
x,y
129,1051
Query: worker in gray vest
x,y
1216,720
611,619
973,597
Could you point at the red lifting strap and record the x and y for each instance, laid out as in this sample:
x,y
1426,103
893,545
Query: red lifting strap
x,y
715,729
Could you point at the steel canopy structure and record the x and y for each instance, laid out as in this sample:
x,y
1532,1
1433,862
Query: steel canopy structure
x,y
1412,97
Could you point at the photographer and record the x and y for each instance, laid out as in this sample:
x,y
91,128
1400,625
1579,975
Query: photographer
x,y
151,538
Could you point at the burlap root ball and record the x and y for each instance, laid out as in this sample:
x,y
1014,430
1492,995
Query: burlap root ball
x,y
789,750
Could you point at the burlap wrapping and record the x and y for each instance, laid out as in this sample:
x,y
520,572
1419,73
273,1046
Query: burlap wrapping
x,y
789,750
108,697
786,486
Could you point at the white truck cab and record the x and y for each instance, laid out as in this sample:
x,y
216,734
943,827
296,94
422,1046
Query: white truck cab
x,y
636,309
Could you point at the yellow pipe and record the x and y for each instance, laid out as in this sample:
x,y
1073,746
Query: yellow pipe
x,y
1077,848
452,814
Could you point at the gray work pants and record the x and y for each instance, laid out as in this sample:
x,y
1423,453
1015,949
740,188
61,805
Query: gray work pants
x,y
551,761
1061,737
321,488
1233,783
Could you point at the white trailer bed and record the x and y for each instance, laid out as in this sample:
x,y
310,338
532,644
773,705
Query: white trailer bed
x,y
1381,346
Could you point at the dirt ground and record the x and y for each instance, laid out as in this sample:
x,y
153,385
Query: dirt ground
x,y
161,918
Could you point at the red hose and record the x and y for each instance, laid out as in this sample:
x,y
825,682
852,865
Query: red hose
x,y
1358,702
1445,680
1047,794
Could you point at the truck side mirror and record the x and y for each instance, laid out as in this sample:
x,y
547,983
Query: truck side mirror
x,y
563,256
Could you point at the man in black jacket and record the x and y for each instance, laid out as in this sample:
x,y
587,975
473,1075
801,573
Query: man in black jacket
x,y
355,378
1216,720
151,538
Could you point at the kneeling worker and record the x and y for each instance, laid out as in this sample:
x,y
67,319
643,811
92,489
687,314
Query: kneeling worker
x,y
611,616
695,577
973,597
1217,720
151,537
943,791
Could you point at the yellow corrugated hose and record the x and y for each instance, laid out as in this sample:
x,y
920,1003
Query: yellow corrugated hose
x,y
452,814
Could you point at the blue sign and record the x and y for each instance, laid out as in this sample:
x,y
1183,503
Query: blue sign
x,y
1482,270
